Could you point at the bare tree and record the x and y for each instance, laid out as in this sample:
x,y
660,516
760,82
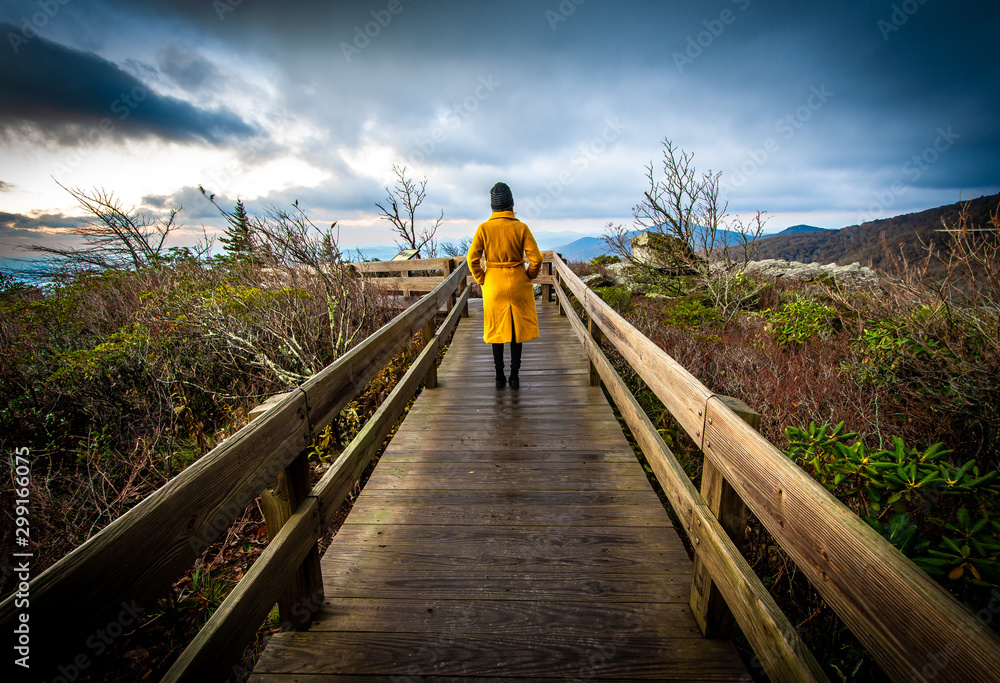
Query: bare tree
x,y
400,209
115,237
302,257
460,248
684,205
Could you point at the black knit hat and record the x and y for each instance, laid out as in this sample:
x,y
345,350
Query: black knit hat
x,y
501,198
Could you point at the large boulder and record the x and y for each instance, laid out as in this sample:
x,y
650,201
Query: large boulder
x,y
595,280
663,252
619,273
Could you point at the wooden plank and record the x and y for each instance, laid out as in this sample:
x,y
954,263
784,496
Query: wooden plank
x,y
349,581
504,617
781,651
386,509
513,476
473,655
479,457
438,264
638,550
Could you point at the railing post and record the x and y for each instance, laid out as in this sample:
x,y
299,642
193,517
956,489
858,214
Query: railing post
x,y
431,380
558,281
709,608
404,275
598,335
547,288
449,267
303,596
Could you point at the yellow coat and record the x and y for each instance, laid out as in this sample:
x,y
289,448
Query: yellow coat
x,y
508,297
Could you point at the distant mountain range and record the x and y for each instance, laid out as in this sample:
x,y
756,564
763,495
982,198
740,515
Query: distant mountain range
x,y
586,248
798,229
866,243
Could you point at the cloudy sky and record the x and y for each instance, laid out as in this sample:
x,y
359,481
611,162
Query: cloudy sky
x,y
818,113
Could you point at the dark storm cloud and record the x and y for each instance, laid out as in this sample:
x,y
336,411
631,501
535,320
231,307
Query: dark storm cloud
x,y
17,224
61,90
188,70
722,78
899,71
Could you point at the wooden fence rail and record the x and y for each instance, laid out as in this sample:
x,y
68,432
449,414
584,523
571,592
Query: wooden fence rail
x,y
405,282
132,562
907,621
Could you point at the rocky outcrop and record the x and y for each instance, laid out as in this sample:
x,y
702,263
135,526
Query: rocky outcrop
x,y
663,252
853,274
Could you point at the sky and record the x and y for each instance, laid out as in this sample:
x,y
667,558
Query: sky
x,y
827,114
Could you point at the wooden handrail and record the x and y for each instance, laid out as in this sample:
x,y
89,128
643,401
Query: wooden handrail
x,y
133,561
782,653
913,627
407,284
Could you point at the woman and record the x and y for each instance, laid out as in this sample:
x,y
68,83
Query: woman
x,y
508,297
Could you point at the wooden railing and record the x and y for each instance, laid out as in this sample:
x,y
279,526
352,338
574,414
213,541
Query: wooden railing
x,y
99,589
402,278
914,628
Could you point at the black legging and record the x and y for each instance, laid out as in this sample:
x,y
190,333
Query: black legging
x,y
515,352
515,357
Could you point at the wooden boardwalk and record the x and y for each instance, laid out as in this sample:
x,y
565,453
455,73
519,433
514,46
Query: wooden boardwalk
x,y
506,535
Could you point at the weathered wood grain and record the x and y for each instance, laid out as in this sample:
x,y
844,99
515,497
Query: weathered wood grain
x,y
629,656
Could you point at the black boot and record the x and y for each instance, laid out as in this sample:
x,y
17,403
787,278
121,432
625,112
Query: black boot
x,y
498,365
515,364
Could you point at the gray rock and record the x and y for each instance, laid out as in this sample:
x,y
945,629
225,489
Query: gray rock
x,y
619,274
595,280
853,274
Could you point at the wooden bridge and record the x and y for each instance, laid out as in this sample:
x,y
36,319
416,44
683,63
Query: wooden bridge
x,y
508,534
